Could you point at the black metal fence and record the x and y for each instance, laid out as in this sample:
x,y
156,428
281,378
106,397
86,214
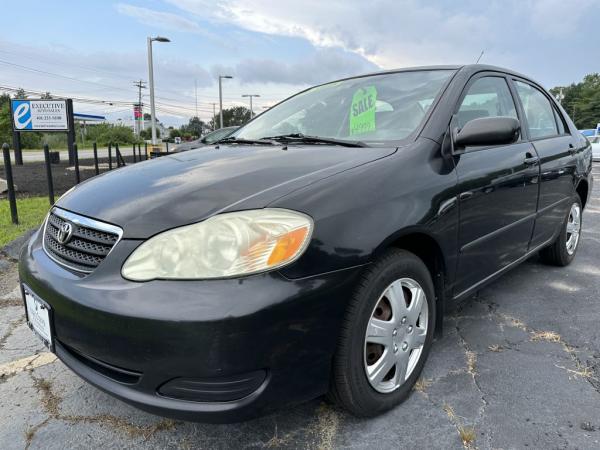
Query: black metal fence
x,y
51,157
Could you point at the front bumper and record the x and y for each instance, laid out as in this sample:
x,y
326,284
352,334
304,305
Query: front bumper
x,y
159,331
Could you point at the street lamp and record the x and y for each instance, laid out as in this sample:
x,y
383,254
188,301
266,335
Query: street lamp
x,y
151,78
250,95
221,98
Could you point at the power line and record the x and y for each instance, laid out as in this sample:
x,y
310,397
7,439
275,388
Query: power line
x,y
31,69
53,63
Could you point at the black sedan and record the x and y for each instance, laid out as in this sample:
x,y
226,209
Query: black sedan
x,y
314,252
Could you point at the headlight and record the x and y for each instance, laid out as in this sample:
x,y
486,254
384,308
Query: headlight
x,y
225,245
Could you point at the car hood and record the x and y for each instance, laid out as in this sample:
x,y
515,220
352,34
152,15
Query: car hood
x,y
175,190
185,146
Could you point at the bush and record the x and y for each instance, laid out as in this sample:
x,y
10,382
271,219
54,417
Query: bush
x,y
105,133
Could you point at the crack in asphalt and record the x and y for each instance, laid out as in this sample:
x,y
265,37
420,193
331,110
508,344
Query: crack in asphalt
x,y
51,402
11,329
472,370
448,413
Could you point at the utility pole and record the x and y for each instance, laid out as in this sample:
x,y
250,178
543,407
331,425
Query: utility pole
x,y
140,85
196,93
221,98
214,116
251,95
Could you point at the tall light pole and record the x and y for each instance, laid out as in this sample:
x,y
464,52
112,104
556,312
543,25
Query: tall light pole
x,y
151,78
221,99
251,95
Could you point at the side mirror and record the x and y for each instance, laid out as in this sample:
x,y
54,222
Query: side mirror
x,y
487,131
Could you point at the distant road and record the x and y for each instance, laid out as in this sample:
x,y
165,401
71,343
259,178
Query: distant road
x,y
35,155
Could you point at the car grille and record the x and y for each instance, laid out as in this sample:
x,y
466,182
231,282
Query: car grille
x,y
89,243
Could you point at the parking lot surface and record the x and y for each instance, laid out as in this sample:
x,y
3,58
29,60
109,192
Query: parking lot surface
x,y
518,367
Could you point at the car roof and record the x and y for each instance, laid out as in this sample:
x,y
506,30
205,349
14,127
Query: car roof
x,y
467,69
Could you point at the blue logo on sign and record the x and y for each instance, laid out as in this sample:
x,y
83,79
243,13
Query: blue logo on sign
x,y
22,114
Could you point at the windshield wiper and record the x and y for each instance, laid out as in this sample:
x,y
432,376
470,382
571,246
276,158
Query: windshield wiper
x,y
234,140
299,137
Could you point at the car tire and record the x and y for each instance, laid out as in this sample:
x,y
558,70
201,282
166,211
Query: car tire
x,y
564,248
356,383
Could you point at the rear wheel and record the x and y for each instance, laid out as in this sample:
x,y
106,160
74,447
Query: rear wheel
x,y
563,250
386,335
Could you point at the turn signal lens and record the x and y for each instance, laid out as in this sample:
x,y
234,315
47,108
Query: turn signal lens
x,y
287,246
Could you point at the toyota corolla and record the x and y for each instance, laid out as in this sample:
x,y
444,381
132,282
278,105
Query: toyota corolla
x,y
312,251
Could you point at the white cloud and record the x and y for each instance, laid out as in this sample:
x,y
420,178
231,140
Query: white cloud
x,y
162,19
324,65
397,33
389,33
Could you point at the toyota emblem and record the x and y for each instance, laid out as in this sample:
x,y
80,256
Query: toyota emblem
x,y
64,233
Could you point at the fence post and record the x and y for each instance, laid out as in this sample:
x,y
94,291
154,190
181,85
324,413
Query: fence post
x,y
109,156
76,158
10,184
134,155
17,148
49,174
96,168
71,137
118,155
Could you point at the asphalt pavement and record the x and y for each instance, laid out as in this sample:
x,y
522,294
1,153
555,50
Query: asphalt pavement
x,y
518,367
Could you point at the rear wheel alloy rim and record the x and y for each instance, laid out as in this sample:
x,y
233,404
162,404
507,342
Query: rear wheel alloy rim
x,y
395,335
573,228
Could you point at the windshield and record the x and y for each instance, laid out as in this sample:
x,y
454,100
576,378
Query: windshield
x,y
217,135
372,109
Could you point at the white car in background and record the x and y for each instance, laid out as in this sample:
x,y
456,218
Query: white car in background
x,y
595,140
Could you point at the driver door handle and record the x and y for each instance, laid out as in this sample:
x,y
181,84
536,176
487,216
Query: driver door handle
x,y
531,160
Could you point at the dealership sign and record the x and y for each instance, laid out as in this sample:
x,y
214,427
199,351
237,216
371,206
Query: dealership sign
x,y
40,115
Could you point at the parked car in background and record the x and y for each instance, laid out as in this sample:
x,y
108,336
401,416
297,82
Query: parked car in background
x,y
208,139
588,132
315,252
595,141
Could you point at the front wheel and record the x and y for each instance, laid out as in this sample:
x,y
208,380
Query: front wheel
x,y
563,250
386,335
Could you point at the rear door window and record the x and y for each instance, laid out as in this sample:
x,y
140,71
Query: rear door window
x,y
541,121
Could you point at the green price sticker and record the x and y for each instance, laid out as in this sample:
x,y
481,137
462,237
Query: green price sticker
x,y
362,111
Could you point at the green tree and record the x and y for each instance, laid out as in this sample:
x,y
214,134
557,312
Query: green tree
x,y
195,127
106,133
5,122
236,116
46,96
147,134
20,93
582,100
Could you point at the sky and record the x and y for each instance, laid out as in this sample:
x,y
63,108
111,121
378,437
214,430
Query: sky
x,y
95,50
